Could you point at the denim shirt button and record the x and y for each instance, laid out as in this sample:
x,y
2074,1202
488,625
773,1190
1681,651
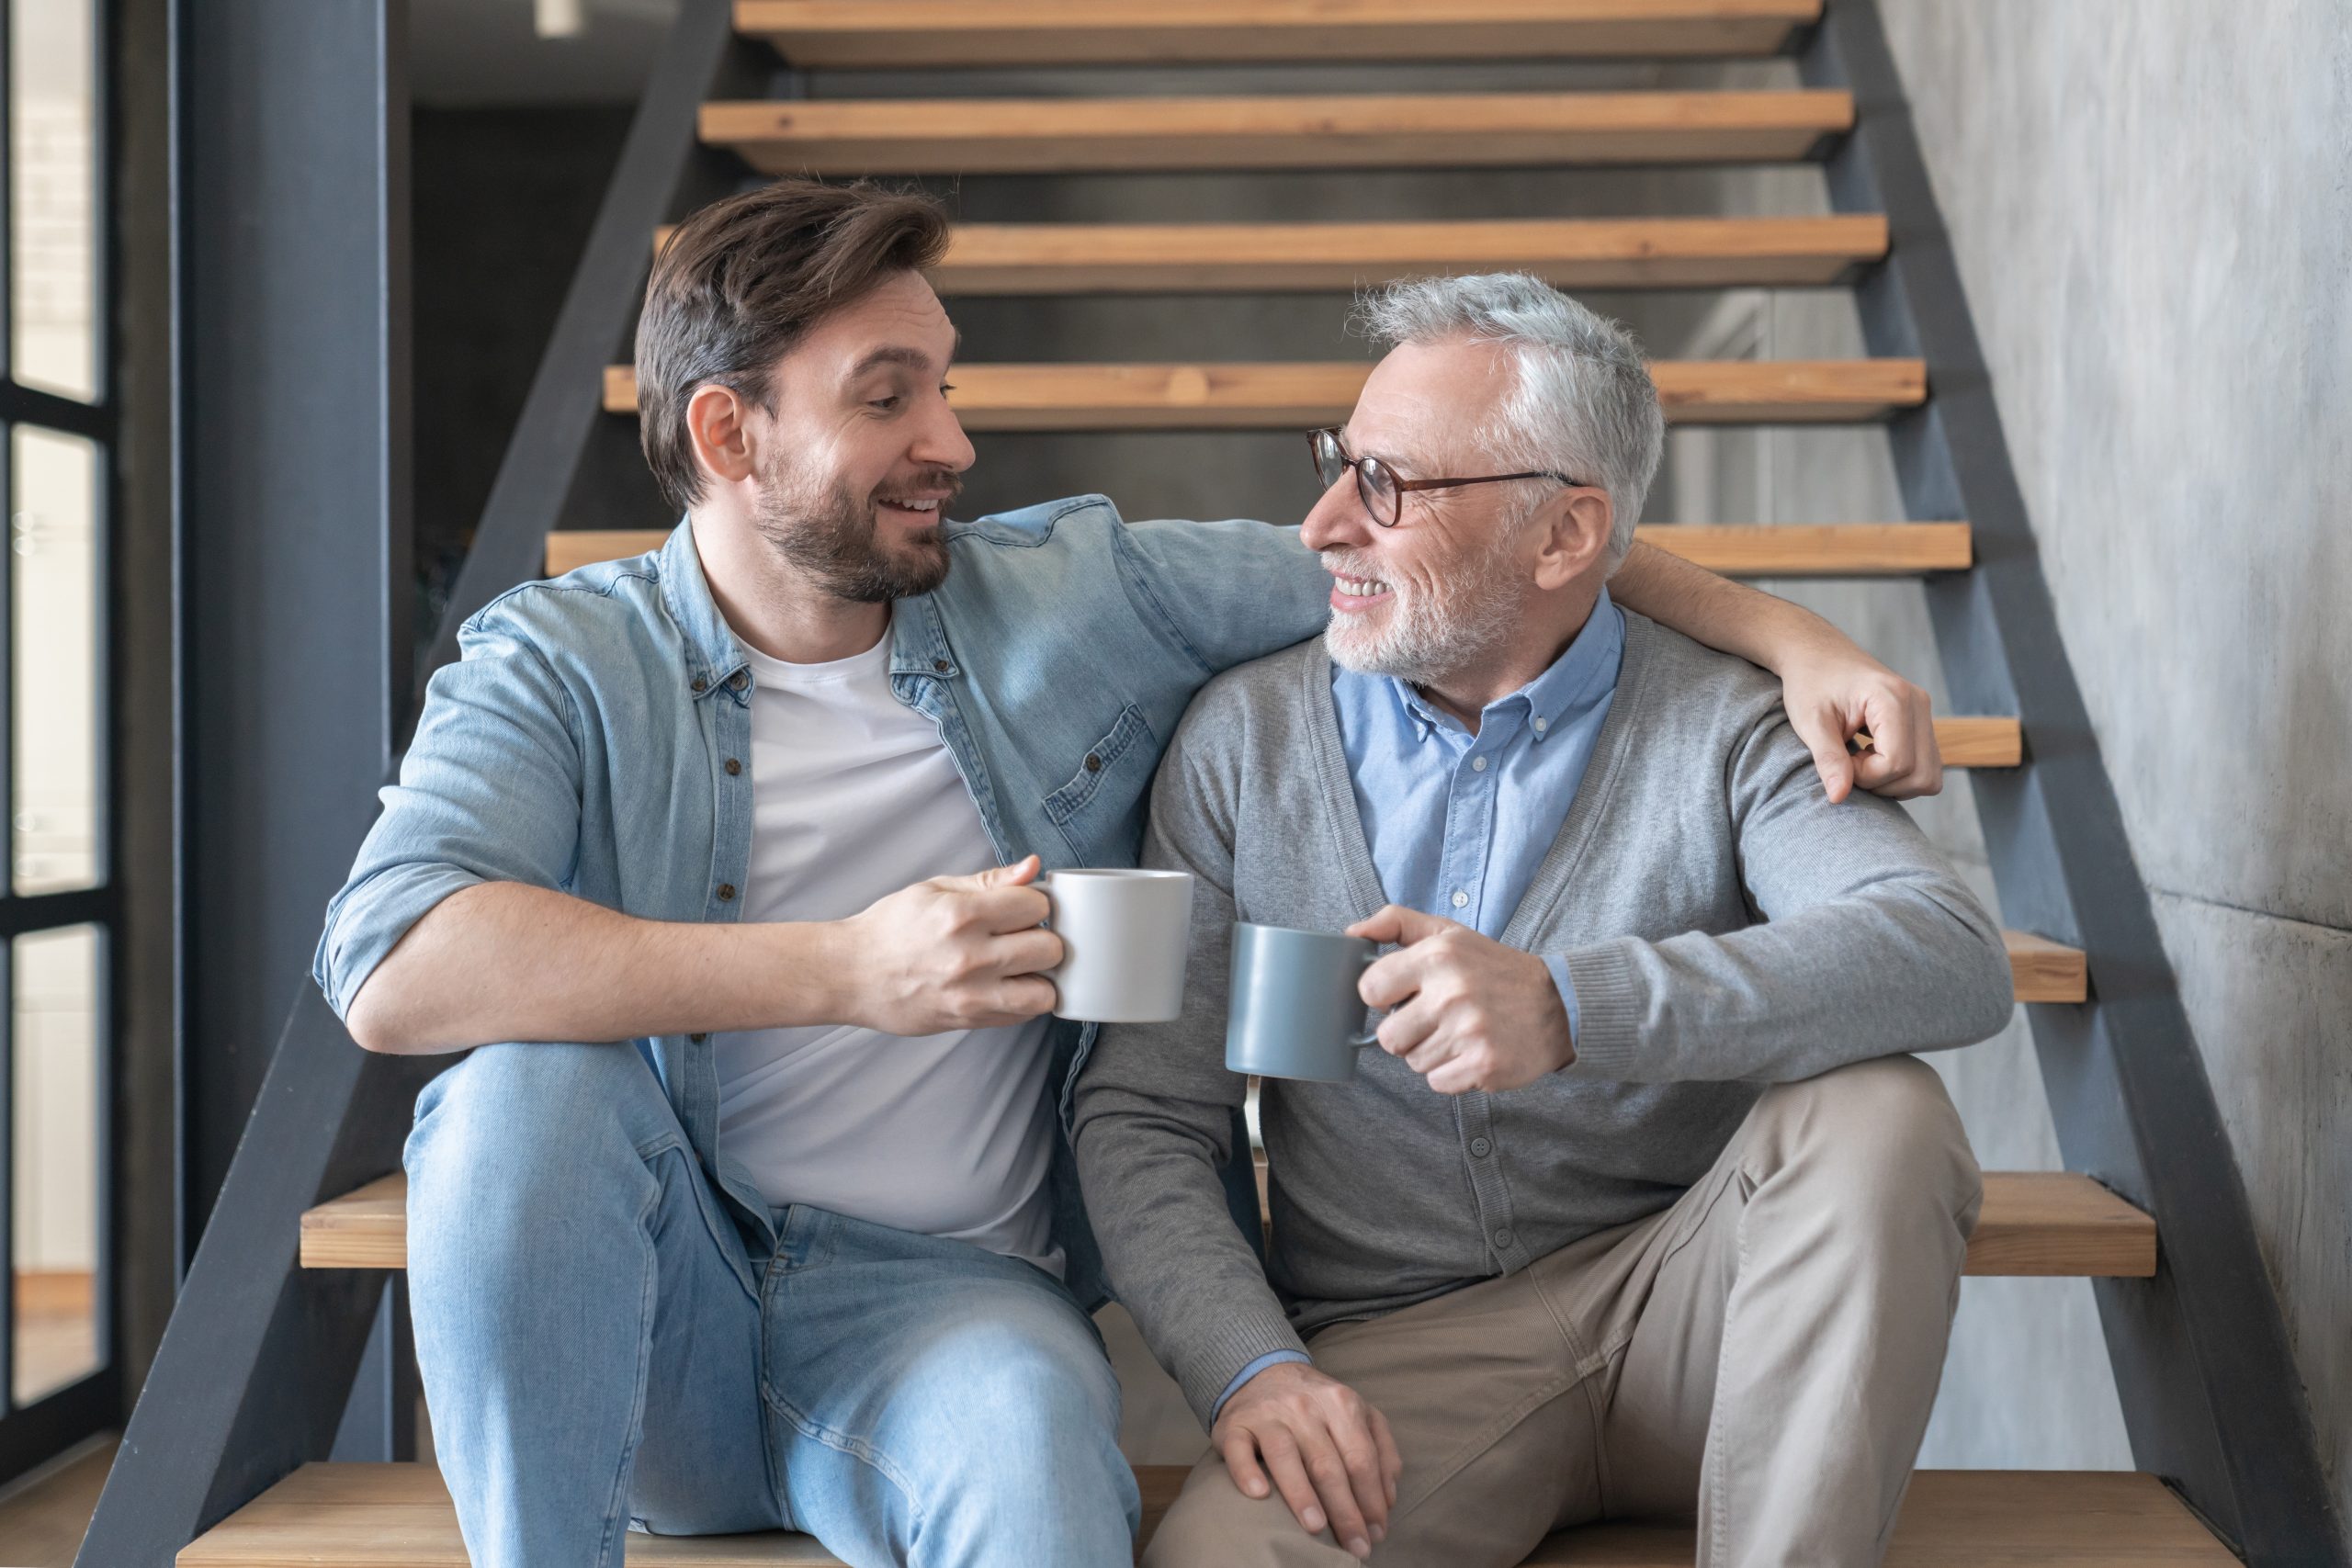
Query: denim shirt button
x,y
1094,763
738,680
699,685
941,665
725,891
734,766
697,1039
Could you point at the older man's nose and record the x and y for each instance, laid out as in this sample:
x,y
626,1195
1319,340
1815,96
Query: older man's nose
x,y
1337,519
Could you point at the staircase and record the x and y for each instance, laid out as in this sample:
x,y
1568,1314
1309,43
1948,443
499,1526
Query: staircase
x,y
2155,1211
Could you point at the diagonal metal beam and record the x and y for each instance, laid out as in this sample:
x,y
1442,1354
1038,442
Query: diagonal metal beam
x,y
2210,1396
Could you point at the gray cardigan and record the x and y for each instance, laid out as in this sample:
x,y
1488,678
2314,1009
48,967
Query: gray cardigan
x,y
1724,926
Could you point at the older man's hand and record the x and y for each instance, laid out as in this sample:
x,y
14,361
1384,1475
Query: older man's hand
x,y
1327,1449
1469,1013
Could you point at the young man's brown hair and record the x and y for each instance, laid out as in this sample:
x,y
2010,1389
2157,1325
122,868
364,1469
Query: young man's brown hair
x,y
741,281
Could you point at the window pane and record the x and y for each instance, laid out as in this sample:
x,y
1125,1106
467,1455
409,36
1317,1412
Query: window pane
x,y
52,228
57,1130
53,533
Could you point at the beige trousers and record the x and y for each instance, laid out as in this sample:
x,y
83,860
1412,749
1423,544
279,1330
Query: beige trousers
x,y
1762,1355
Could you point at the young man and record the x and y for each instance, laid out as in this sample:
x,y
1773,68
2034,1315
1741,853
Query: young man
x,y
755,1207
1639,1213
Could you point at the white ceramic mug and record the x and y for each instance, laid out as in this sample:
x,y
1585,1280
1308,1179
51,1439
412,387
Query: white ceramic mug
x,y
1126,935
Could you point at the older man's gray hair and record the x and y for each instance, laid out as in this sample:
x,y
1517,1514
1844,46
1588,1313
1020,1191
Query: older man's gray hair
x,y
1584,404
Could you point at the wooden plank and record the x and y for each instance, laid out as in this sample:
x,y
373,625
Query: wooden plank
x,y
1283,397
2033,1223
903,34
1733,549
2046,971
1981,742
399,1516
1827,550
2056,1222
365,1228
1199,258
971,136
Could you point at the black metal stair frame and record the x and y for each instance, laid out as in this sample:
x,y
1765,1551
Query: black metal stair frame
x,y
253,1374
2211,1399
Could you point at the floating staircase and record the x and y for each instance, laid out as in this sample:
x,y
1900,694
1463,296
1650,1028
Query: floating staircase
x,y
2155,1213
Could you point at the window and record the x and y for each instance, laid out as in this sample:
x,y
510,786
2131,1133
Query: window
x,y
59,910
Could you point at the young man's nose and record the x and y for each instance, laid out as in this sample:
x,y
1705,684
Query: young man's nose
x,y
941,442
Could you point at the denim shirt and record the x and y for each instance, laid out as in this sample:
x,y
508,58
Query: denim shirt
x,y
582,742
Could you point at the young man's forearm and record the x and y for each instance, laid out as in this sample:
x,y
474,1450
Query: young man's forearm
x,y
1728,616
507,961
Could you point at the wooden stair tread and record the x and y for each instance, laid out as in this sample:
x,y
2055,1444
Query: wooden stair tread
x,y
1065,397
1631,252
399,1516
2034,1222
790,136
2046,971
901,34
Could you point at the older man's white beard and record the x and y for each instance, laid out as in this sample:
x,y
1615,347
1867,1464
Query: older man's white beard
x,y
1426,638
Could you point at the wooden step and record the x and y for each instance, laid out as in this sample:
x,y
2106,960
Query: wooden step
x,y
399,1516
976,136
2034,1222
904,34
2046,971
1300,396
1201,258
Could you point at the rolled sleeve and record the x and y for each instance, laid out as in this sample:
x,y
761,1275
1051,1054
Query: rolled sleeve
x,y
489,792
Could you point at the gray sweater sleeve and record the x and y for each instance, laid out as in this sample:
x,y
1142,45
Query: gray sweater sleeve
x,y
1868,945
1155,1114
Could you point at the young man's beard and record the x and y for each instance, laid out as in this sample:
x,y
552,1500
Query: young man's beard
x,y
832,536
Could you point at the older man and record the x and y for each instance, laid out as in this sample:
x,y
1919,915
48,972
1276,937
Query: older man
x,y
1639,1211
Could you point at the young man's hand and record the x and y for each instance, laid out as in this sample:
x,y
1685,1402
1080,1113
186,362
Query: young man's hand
x,y
1328,1451
1469,1013
1837,690
952,953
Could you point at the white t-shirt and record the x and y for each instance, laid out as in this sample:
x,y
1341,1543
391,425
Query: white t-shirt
x,y
855,796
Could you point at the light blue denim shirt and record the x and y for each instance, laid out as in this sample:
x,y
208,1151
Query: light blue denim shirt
x,y
582,744
1456,822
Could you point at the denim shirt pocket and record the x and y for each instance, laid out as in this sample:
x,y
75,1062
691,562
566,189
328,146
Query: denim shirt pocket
x,y
1100,811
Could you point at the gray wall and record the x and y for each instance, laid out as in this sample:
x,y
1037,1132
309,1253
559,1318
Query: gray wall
x,y
2156,230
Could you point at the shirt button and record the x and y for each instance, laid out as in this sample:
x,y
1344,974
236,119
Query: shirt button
x,y
733,767
725,891
1502,1237
697,1039
1478,764
1459,899
738,680
941,665
1094,763
699,685
1539,727
1480,1148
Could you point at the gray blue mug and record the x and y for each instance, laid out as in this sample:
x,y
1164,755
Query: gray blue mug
x,y
1294,1011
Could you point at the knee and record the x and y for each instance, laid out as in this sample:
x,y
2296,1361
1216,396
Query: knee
x,y
1882,1133
516,1135
1213,1524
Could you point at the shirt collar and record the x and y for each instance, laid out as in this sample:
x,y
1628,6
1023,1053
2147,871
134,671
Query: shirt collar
x,y
1572,685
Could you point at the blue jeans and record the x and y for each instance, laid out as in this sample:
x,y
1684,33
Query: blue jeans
x,y
600,1349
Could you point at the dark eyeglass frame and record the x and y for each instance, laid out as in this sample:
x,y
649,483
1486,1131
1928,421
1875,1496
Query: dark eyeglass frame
x,y
1367,487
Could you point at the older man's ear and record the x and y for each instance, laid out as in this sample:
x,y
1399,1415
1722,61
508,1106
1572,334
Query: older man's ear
x,y
1574,524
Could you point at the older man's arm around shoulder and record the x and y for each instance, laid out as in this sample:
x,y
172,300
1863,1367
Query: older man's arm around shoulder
x,y
1154,1128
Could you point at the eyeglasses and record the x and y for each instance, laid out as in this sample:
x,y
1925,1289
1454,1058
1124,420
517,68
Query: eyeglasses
x,y
1381,492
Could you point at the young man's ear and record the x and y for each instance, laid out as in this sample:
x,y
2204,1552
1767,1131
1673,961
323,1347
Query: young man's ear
x,y
1575,523
717,427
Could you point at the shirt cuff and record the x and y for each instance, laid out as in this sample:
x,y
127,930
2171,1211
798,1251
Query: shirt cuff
x,y
1269,1359
1566,985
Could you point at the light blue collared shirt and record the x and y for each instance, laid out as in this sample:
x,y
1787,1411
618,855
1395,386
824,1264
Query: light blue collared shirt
x,y
1457,823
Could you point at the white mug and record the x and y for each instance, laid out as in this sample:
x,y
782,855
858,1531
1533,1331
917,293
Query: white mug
x,y
1126,935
